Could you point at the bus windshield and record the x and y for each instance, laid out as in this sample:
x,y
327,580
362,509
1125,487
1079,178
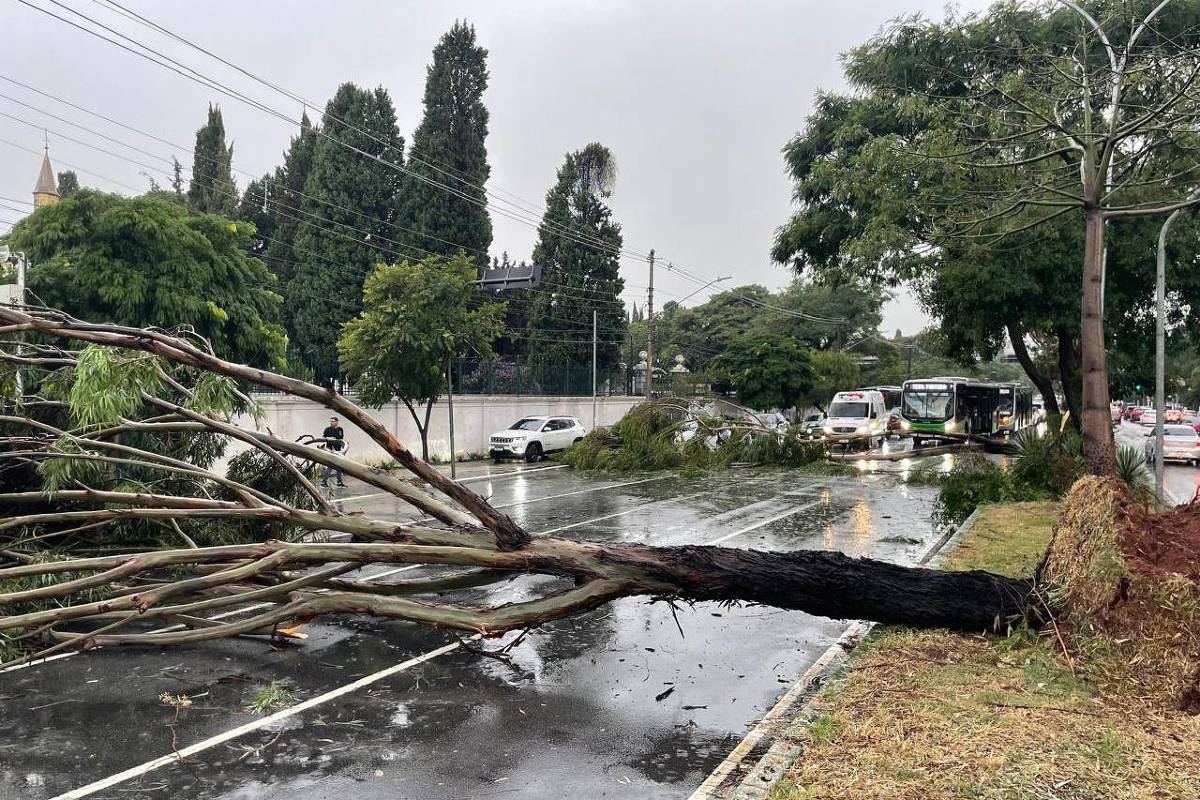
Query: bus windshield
x,y
935,404
844,409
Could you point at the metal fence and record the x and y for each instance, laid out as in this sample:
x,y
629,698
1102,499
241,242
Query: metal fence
x,y
519,376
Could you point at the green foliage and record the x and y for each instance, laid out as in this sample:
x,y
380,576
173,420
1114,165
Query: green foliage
x,y
833,371
767,370
273,695
449,147
109,385
69,471
259,471
416,316
212,190
150,262
357,197
1050,460
976,480
580,278
645,439
68,184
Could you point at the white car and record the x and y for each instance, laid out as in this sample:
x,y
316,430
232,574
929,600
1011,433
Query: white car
x,y
1149,416
531,438
1180,443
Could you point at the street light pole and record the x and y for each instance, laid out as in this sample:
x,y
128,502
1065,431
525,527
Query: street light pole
x,y
1160,355
650,333
593,369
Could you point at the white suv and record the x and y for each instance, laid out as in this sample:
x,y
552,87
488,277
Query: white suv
x,y
531,438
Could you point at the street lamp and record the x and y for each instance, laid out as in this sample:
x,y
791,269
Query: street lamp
x,y
1160,345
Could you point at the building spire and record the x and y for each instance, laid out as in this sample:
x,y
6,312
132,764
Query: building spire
x,y
46,191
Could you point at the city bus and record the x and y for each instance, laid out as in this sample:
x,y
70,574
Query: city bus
x,y
1016,407
891,394
949,405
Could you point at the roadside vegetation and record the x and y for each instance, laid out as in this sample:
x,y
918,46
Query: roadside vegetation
x,y
650,437
1069,712
1046,464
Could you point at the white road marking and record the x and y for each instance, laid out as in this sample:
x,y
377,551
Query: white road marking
x,y
198,747
524,502
768,521
249,727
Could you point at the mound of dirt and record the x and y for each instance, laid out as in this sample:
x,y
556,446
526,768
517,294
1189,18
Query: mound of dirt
x,y
1124,583
1159,545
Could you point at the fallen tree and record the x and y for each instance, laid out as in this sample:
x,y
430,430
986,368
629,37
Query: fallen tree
x,y
83,475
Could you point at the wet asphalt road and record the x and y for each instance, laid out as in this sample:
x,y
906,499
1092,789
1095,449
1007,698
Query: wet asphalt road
x,y
1181,480
616,703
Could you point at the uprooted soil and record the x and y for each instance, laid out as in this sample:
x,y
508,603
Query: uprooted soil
x,y
1125,587
1159,545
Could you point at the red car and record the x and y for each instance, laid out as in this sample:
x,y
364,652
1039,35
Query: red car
x,y
1133,414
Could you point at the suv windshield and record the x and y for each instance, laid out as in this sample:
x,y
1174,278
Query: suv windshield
x,y
528,424
844,409
928,403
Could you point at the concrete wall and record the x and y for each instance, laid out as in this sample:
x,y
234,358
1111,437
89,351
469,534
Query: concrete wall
x,y
476,417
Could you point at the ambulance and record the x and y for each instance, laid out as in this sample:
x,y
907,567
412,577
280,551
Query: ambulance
x,y
859,416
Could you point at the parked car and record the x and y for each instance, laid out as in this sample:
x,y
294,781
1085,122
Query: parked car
x,y
1180,443
1149,417
1173,415
531,438
811,426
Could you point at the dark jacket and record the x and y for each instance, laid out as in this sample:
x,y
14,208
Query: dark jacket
x,y
334,432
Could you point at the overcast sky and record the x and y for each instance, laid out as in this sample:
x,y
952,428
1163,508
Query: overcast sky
x,y
695,99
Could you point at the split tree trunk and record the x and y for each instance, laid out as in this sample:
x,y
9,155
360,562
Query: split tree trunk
x,y
1098,447
1068,375
1016,337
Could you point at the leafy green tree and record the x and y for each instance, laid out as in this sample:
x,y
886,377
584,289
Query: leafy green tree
x,y
832,371
416,317
699,333
285,190
357,196
68,182
448,147
767,371
255,208
823,314
578,249
212,190
148,261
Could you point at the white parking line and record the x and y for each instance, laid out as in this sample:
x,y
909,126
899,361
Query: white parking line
x,y
198,747
249,727
524,502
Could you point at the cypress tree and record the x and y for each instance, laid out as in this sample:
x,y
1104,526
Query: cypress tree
x,y
285,195
256,207
68,183
578,276
448,147
357,195
212,190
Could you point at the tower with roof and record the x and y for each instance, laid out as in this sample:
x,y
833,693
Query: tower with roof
x,y
46,191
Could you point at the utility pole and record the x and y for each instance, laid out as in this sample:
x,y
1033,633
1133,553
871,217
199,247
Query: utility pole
x,y
650,333
1160,347
593,369
450,411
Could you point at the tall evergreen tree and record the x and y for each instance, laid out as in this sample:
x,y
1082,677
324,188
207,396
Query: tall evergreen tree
x,y
357,195
286,191
448,147
579,276
68,183
256,207
212,190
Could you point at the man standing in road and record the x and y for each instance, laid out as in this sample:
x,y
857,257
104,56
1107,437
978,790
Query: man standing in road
x,y
334,440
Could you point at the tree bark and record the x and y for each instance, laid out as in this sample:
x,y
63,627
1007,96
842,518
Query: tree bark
x,y
1068,375
1016,337
1098,447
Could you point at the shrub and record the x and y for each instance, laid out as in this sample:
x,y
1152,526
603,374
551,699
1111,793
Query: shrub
x,y
975,480
1051,461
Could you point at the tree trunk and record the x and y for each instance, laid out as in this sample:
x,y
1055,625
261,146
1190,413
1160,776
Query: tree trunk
x,y
422,428
1098,448
1016,337
1068,375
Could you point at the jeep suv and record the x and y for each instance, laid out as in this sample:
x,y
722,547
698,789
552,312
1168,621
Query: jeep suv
x,y
531,438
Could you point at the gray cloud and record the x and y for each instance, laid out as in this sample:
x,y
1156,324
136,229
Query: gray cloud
x,y
694,98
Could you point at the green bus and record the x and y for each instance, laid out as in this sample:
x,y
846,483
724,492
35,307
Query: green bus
x,y
952,405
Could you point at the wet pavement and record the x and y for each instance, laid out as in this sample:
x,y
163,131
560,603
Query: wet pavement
x,y
1180,480
615,703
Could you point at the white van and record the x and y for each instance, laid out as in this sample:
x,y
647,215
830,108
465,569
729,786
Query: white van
x,y
858,416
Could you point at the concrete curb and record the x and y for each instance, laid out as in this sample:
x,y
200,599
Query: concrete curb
x,y
764,755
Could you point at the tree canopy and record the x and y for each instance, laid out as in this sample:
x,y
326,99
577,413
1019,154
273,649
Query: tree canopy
x,y
212,190
150,261
578,248
416,316
345,220
768,371
448,148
